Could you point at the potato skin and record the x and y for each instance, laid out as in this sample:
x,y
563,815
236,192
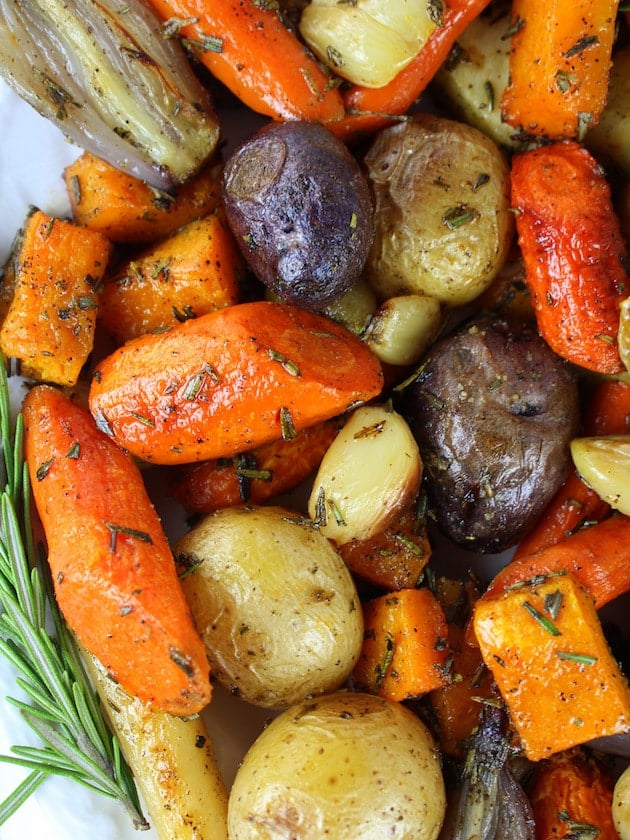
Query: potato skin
x,y
493,410
443,225
274,603
301,210
346,766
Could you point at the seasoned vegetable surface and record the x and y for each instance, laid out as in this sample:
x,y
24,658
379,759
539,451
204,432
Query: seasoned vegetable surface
x,y
493,410
301,210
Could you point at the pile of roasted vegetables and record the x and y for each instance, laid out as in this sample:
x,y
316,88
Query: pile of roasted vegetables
x,y
377,351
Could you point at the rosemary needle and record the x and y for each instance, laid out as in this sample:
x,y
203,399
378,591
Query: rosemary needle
x,y
62,707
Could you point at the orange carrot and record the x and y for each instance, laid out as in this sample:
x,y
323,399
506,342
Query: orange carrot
x,y
560,59
393,559
125,209
113,571
570,791
547,651
245,45
192,272
404,649
457,706
230,381
574,254
575,504
51,318
253,477
598,556
370,109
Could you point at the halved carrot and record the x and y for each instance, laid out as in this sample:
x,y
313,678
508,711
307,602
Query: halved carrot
x,y
194,271
369,109
571,793
113,570
575,505
547,651
245,45
560,60
254,477
51,318
125,209
230,381
405,645
574,254
598,557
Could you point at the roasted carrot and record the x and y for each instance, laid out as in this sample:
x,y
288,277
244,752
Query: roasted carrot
x,y
598,556
394,558
571,796
196,270
405,645
245,45
369,109
560,60
575,504
547,651
255,476
112,568
51,318
574,254
125,209
457,706
232,380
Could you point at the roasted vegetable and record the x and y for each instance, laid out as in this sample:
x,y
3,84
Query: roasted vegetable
x,y
274,603
621,805
404,648
571,793
560,57
229,381
367,42
196,270
369,474
301,211
442,210
111,565
128,210
544,643
488,802
347,765
111,82
574,254
50,326
493,411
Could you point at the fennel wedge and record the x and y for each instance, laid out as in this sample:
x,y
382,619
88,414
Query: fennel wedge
x,y
106,75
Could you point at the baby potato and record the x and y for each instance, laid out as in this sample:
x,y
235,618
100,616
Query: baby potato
x,y
443,225
347,766
274,603
370,472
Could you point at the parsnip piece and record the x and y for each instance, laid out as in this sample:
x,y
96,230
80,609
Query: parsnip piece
x,y
367,42
172,760
403,327
604,464
369,473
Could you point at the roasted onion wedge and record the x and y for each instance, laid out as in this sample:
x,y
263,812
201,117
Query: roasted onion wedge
x,y
106,75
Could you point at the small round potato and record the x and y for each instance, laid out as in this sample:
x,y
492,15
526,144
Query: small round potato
x,y
275,604
443,225
347,766
300,208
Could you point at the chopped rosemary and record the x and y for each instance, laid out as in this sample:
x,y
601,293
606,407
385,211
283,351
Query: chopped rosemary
x,y
542,619
58,701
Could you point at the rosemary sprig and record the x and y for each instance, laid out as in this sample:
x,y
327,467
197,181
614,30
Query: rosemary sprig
x,y
61,705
